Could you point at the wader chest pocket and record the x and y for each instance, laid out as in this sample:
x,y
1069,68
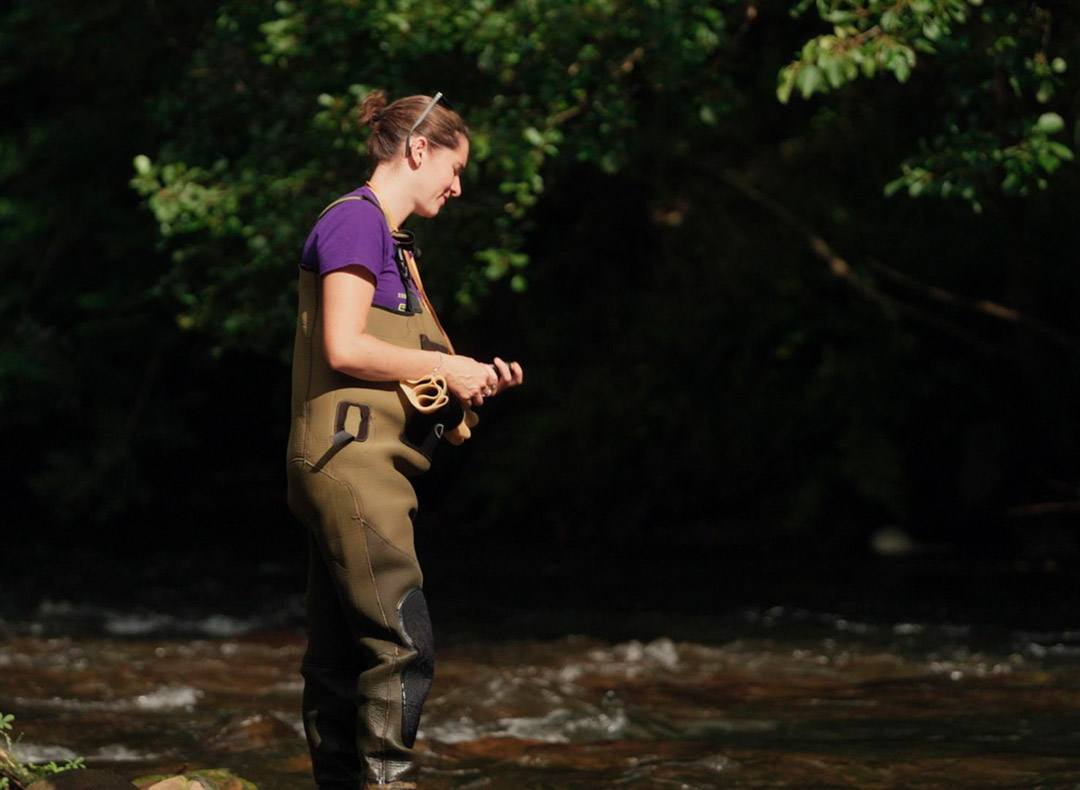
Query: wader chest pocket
x,y
350,423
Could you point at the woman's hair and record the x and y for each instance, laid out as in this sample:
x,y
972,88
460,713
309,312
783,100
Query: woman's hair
x,y
390,124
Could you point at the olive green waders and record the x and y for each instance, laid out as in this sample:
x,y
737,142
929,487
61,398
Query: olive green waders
x,y
352,447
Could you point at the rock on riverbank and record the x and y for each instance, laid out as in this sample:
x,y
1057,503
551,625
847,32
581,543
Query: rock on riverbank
x,y
210,779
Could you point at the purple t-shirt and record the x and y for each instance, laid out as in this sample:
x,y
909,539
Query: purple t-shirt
x,y
354,233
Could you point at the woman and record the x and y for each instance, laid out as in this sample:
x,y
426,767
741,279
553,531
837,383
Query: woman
x,y
365,330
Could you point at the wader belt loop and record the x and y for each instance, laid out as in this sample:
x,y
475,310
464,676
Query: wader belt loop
x,y
343,435
341,438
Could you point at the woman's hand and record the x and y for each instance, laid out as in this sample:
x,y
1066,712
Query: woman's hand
x,y
468,379
472,381
510,375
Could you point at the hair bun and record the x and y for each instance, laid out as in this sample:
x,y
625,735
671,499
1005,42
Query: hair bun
x,y
372,107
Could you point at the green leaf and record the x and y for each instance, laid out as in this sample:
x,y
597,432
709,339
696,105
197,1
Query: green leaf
x,y
901,69
809,80
1061,150
533,136
841,17
1048,161
895,186
786,84
834,70
1049,123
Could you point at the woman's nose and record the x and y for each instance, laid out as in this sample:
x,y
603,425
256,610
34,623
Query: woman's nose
x,y
455,186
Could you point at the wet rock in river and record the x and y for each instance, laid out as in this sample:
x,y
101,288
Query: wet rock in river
x,y
250,733
209,779
178,783
83,780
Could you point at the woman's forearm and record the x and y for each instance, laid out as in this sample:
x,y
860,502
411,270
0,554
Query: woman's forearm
x,y
347,300
365,356
347,295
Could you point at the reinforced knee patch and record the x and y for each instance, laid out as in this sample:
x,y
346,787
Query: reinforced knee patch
x,y
416,679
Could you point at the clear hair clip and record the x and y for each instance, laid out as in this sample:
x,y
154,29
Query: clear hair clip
x,y
420,120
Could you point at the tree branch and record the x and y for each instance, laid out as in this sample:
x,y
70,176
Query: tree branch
x,y
981,306
843,270
1045,509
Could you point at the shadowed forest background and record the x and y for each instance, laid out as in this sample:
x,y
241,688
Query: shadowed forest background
x,y
778,273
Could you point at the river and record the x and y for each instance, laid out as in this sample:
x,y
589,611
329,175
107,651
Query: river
x,y
906,693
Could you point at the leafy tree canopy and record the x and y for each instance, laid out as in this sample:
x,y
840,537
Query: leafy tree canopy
x,y
262,130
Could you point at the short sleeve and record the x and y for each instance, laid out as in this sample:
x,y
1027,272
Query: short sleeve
x,y
350,234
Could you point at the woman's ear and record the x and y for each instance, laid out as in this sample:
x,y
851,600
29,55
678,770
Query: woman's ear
x,y
419,150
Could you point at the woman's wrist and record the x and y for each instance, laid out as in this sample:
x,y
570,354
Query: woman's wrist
x,y
438,364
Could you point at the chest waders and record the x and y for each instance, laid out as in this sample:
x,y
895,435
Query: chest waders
x,y
353,446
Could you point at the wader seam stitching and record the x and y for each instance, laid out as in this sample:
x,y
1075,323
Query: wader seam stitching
x,y
368,525
382,613
367,551
364,525
386,709
390,543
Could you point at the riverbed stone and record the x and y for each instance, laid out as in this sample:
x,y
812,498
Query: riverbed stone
x,y
83,779
248,733
177,783
205,779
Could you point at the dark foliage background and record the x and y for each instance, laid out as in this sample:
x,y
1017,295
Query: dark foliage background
x,y
733,339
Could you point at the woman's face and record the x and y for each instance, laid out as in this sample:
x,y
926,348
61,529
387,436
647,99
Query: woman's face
x,y
438,178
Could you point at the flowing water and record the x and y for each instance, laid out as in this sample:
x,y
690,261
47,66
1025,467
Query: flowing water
x,y
751,696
